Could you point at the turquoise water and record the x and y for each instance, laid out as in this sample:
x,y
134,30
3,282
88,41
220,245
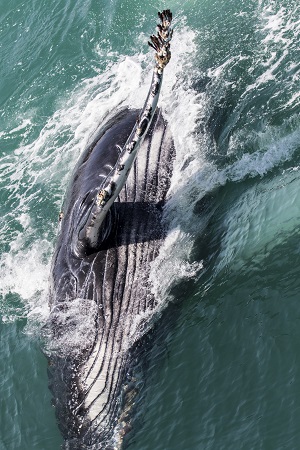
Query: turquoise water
x,y
224,368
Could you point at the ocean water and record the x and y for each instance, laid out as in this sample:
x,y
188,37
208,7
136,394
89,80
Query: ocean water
x,y
224,368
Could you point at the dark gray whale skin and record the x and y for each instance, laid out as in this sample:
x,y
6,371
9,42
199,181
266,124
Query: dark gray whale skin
x,y
91,389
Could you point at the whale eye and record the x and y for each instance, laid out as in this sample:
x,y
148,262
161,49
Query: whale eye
x,y
83,212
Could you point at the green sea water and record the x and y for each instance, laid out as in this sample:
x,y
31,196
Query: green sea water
x,y
223,371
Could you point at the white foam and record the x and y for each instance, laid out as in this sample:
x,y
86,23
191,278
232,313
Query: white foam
x,y
173,263
279,31
75,327
24,273
276,22
24,124
260,162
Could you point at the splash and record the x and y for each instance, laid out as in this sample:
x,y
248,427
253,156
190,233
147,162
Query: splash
x,y
253,139
39,169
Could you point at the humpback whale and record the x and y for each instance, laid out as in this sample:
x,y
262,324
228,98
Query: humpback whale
x,y
101,302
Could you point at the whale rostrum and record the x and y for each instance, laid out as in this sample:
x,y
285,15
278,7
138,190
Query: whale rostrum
x,y
101,298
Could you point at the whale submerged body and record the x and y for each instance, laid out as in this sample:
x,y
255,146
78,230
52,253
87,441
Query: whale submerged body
x,y
100,295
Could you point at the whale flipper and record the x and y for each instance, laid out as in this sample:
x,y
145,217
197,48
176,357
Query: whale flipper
x,y
91,224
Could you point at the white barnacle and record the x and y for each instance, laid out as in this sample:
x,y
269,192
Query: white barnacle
x,y
101,197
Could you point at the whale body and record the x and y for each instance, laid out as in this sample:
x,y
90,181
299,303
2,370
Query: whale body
x,y
108,285
100,295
